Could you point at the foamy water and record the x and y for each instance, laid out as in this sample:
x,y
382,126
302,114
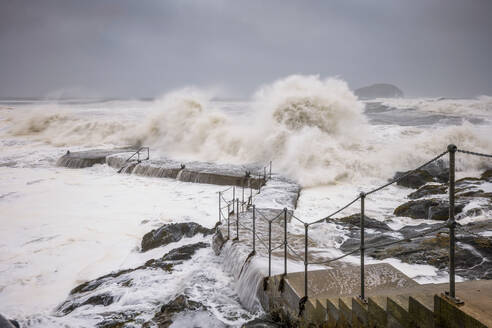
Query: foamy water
x,y
61,227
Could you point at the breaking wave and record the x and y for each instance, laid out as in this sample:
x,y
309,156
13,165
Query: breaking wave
x,y
314,130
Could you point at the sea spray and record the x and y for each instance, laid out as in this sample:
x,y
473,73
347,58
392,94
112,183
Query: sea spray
x,y
315,131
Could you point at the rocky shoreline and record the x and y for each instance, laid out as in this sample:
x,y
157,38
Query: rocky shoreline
x,y
428,200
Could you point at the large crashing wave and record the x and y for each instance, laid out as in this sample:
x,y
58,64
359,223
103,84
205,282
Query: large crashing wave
x,y
302,123
314,130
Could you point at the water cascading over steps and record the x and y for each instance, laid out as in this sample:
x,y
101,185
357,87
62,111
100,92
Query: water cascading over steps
x,y
247,272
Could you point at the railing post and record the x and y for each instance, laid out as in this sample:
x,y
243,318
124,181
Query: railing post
x,y
254,229
269,248
250,195
362,272
270,175
451,222
233,195
229,222
264,174
242,203
237,219
220,206
306,227
285,241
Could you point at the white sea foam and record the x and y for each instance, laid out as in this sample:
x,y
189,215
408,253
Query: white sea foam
x,y
313,129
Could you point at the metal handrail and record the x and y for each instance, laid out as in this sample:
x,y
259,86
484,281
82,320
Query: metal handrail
x,y
138,157
450,224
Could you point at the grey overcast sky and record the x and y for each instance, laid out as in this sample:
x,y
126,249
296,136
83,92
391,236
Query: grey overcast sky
x,y
138,48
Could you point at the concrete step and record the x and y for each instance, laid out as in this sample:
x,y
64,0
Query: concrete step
x,y
421,310
397,309
345,310
333,309
360,315
378,317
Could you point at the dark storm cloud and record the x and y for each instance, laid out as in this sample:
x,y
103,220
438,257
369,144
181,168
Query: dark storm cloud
x,y
143,48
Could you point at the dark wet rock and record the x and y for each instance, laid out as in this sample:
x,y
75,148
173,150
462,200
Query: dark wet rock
x,y
428,190
178,254
487,175
14,323
104,299
93,284
218,241
166,263
434,172
262,323
4,323
370,239
164,318
353,221
172,232
473,254
414,180
120,320
429,209
376,231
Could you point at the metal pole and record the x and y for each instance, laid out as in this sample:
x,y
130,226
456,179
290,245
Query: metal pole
x,y
254,229
229,225
362,198
306,227
237,219
452,223
269,248
285,241
242,204
264,174
250,194
233,196
270,170
220,206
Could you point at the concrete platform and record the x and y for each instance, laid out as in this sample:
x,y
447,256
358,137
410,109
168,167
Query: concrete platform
x,y
341,282
393,300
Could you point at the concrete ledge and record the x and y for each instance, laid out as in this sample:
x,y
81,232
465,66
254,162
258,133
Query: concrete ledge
x,y
377,311
359,313
452,316
421,309
397,308
345,306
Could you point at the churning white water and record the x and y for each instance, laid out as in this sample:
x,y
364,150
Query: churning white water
x,y
60,227
314,130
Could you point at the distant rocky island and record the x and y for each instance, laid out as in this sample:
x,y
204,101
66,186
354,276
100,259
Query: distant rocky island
x,y
379,90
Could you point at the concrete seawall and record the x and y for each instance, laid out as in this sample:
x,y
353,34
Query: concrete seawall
x,y
196,172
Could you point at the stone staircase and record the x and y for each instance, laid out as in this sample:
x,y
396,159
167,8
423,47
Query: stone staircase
x,y
423,306
394,300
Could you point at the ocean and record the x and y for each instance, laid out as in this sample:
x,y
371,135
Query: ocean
x,y
60,227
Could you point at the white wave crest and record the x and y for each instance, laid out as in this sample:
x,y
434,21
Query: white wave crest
x,y
314,130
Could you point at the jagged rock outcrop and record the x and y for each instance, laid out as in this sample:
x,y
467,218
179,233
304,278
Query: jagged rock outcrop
x,y
428,190
428,209
164,318
86,293
379,90
434,172
172,232
5,323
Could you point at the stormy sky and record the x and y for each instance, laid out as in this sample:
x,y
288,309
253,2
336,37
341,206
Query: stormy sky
x,y
143,48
